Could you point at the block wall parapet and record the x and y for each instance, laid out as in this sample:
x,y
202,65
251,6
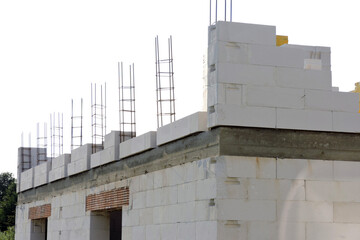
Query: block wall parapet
x,y
254,83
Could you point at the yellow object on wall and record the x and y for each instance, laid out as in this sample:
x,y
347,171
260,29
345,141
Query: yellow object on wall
x,y
281,40
357,90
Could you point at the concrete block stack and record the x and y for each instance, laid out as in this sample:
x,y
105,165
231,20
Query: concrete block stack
x,y
27,158
80,159
27,179
68,219
59,167
181,128
269,198
137,145
109,153
254,83
173,203
41,173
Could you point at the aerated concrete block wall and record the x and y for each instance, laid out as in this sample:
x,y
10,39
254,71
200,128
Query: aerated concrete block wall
x,y
173,203
225,197
298,199
254,83
59,167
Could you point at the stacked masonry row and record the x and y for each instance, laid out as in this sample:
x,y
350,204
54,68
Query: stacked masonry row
x,y
82,159
252,82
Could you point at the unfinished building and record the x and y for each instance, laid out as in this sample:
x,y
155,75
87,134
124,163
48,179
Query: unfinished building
x,y
275,156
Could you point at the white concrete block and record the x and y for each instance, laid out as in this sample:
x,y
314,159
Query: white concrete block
x,y
265,167
335,89
81,152
186,192
187,212
236,167
186,231
304,119
95,159
159,178
243,74
153,197
314,52
202,211
112,139
171,213
304,211
78,166
240,209
332,191
105,156
58,173
242,53
300,78
229,52
206,230
272,230
225,94
203,169
152,232
346,171
190,171
27,179
332,231
231,187
134,184
232,115
304,169
146,181
169,195
309,49
173,176
263,230
126,233
138,232
232,229
146,216
262,96
266,189
244,33
158,215
312,64
275,56
347,212
137,145
181,128
110,154
168,232
139,200
41,174
332,101
60,161
206,189
346,122
71,169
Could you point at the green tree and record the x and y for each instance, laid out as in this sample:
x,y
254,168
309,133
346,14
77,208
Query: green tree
x,y
5,180
8,201
8,234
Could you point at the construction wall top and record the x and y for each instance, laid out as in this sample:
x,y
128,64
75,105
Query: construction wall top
x,y
254,83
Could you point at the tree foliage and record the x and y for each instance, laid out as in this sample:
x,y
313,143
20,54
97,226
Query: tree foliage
x,y
8,198
5,180
8,234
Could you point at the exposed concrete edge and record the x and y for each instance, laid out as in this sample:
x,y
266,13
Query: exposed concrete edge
x,y
191,148
284,143
236,141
